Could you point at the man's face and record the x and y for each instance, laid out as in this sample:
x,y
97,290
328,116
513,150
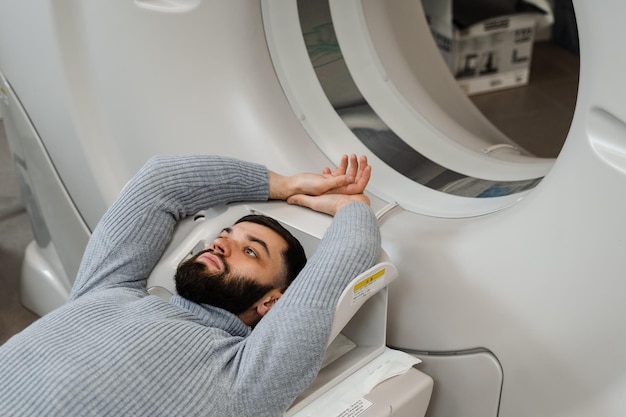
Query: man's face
x,y
240,267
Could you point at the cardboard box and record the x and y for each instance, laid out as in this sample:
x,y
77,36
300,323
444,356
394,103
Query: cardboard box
x,y
487,48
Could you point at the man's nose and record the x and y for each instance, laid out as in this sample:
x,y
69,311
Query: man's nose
x,y
222,246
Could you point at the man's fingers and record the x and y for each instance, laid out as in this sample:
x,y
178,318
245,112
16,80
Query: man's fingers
x,y
362,165
343,166
358,186
365,176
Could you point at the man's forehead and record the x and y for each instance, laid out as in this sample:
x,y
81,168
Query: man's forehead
x,y
258,229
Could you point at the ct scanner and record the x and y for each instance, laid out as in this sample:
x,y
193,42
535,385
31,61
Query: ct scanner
x,y
510,286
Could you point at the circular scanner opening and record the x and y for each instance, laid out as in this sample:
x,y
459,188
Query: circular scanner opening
x,y
379,68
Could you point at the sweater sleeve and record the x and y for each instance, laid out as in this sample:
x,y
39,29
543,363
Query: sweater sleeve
x,y
284,352
132,235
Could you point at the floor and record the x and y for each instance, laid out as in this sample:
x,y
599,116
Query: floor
x,y
537,116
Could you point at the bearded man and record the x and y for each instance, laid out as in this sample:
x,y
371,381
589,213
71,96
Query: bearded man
x,y
246,331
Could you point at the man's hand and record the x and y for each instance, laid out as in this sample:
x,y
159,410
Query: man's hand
x,y
327,203
350,177
326,192
358,175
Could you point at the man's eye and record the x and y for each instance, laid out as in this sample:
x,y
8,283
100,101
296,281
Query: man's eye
x,y
250,251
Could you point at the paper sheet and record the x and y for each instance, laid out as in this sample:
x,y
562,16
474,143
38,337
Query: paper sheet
x,y
347,398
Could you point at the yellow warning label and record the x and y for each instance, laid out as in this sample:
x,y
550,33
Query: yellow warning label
x,y
369,280
368,286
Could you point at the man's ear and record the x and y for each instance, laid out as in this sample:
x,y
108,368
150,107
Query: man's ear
x,y
267,301
256,312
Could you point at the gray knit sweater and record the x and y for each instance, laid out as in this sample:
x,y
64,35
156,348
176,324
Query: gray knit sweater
x,y
113,350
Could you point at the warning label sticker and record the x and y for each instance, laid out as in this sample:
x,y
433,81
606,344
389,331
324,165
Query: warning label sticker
x,y
356,409
367,286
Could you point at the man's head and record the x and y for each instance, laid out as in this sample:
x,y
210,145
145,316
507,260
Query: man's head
x,y
245,270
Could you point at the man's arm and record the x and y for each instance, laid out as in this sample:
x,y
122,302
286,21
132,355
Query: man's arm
x,y
132,235
285,350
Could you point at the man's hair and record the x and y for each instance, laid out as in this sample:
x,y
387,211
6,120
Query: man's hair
x,y
294,257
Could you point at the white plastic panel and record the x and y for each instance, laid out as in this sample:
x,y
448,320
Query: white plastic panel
x,y
606,134
168,6
57,225
44,285
466,384
109,84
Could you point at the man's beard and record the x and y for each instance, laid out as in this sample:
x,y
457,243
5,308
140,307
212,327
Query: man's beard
x,y
221,289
